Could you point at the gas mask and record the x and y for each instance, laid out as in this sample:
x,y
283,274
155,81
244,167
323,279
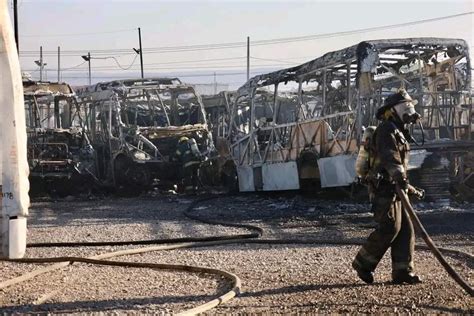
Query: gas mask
x,y
407,115
406,112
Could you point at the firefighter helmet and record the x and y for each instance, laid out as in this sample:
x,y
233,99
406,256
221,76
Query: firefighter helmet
x,y
183,139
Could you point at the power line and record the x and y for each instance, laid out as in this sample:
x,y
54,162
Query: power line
x,y
187,48
184,61
149,65
73,67
274,60
173,74
369,29
197,61
185,67
81,34
117,62
35,55
129,66
177,75
165,63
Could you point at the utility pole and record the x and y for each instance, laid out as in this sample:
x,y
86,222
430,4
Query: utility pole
x,y
40,63
15,18
59,64
140,50
88,58
215,83
248,58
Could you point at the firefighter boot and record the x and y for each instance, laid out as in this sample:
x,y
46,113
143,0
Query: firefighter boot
x,y
364,275
404,277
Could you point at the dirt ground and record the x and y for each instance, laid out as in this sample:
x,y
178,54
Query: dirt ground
x,y
276,279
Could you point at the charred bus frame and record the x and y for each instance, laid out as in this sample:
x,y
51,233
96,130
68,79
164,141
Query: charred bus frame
x,y
305,122
136,124
60,155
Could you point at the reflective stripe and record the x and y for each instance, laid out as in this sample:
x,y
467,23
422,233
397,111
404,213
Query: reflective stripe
x,y
178,152
406,266
190,163
367,256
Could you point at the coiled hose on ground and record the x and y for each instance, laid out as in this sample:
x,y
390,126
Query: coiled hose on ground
x,y
190,242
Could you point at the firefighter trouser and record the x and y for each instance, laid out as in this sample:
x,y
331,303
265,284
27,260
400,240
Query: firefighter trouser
x,y
394,230
190,177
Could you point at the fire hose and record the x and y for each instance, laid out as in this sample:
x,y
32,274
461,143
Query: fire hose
x,y
191,242
176,243
429,242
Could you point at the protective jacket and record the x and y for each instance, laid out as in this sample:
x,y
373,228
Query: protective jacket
x,y
188,153
390,149
395,229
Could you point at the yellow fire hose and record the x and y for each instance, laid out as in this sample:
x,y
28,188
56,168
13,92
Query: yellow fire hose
x,y
429,242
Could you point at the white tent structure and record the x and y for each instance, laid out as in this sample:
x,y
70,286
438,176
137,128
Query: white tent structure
x,y
13,159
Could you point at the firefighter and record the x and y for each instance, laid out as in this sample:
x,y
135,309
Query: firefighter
x,y
188,154
388,168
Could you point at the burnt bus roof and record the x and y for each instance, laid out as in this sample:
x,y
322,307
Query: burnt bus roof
x,y
358,51
138,82
46,88
144,83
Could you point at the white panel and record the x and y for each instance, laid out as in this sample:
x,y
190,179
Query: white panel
x,y
280,176
246,183
337,171
17,238
15,186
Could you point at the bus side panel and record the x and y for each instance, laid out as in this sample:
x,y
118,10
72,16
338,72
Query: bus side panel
x,y
280,176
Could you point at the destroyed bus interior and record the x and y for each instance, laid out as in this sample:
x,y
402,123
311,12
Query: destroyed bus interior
x,y
135,126
304,124
218,112
60,156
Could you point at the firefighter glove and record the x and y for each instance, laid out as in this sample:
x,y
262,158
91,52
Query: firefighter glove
x,y
417,192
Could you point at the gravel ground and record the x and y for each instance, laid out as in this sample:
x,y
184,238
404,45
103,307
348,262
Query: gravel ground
x,y
285,278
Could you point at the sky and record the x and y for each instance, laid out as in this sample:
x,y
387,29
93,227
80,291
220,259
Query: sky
x,y
108,29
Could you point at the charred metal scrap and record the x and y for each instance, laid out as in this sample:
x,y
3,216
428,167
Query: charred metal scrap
x,y
306,122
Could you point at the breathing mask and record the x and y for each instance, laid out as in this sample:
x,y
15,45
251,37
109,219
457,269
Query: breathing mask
x,y
402,106
406,112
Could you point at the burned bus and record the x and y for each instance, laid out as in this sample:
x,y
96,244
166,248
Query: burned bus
x,y
135,126
60,156
218,110
305,123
